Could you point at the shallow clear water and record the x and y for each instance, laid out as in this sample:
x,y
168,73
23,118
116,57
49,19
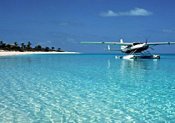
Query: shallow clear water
x,y
86,88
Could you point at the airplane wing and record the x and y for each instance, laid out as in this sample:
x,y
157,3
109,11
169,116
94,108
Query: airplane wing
x,y
160,43
108,43
127,43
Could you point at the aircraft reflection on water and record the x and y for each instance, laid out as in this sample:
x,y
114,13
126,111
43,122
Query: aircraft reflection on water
x,y
138,70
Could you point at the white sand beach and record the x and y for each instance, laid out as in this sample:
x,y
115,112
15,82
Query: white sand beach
x,y
12,53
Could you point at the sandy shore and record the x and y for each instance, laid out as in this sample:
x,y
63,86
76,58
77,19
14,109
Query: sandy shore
x,y
11,53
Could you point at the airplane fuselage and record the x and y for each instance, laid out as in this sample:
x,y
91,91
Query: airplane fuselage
x,y
135,48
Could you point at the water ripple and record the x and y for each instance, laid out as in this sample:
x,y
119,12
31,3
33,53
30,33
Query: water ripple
x,y
55,89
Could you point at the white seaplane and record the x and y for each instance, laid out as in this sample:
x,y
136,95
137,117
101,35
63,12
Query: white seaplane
x,y
134,50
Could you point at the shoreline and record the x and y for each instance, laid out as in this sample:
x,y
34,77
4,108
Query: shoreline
x,y
13,53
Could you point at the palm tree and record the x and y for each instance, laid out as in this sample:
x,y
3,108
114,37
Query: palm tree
x,y
15,47
46,49
29,45
59,49
23,46
53,48
16,44
2,45
38,48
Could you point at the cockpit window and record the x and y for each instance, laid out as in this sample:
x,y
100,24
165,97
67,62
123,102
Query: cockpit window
x,y
135,43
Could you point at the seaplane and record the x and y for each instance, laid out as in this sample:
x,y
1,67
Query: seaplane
x,y
133,50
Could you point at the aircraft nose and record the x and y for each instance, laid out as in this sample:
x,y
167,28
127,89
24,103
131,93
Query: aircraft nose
x,y
145,44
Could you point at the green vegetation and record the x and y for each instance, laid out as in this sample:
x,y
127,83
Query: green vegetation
x,y
26,47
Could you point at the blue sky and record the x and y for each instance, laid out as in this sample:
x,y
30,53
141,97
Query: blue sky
x,y
65,23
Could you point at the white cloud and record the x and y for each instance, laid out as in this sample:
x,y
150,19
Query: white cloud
x,y
109,13
133,12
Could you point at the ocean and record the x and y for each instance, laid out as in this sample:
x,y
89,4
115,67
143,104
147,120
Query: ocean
x,y
86,88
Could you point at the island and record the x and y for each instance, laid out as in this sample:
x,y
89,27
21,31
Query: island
x,y
7,49
26,47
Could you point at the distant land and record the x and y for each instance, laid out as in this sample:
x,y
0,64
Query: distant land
x,y
27,47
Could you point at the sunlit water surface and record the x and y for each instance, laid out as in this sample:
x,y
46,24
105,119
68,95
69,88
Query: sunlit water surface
x,y
86,88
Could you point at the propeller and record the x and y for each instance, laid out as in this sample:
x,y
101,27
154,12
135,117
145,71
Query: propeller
x,y
147,42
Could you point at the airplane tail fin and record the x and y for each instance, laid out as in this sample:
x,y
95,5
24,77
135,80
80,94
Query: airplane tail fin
x,y
121,41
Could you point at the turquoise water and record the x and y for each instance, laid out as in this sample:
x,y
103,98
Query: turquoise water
x,y
86,88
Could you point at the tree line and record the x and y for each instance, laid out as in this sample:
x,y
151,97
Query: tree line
x,y
26,47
